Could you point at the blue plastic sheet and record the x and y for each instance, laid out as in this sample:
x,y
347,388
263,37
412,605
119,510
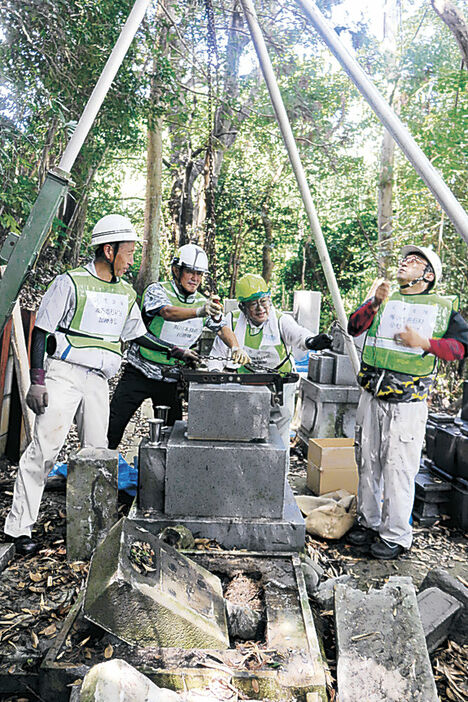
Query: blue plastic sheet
x,y
128,475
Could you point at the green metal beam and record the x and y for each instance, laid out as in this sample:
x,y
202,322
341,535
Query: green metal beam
x,y
29,244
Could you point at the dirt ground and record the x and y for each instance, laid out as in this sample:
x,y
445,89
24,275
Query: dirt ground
x,y
37,593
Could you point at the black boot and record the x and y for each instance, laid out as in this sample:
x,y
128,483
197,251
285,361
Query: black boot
x,y
25,546
386,551
361,536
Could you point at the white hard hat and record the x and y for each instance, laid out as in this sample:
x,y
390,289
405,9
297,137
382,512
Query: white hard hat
x,y
112,228
427,253
191,256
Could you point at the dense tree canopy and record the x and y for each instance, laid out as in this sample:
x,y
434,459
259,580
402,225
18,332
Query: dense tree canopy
x,y
154,129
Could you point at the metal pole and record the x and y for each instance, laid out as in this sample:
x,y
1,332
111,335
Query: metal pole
x,y
283,121
102,86
384,112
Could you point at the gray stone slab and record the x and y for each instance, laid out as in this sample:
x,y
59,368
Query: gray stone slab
x,y
92,492
343,372
438,610
285,534
7,553
228,412
327,411
437,577
147,593
231,479
381,647
320,368
151,475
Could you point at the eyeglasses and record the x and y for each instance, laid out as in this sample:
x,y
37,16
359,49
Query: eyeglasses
x,y
260,302
193,271
412,258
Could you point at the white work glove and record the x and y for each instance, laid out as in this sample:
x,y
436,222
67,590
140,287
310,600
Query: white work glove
x,y
211,308
239,356
37,398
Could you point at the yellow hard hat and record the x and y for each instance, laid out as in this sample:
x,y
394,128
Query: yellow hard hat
x,y
251,287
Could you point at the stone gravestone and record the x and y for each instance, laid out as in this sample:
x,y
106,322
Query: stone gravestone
x,y
147,593
92,494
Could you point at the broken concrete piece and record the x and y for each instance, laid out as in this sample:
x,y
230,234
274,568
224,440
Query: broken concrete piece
x,y
147,593
313,564
242,621
7,552
325,593
311,578
381,648
446,582
117,680
91,500
236,412
178,536
438,610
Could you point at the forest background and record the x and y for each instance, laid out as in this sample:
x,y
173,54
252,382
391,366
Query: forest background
x,y
147,155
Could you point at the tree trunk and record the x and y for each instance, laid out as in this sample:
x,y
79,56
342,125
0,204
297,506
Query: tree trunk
x,y
149,269
457,24
267,260
385,206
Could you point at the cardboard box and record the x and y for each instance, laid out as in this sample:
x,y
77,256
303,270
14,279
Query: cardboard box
x,y
331,466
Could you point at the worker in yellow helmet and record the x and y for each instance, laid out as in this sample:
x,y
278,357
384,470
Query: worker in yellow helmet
x,y
268,336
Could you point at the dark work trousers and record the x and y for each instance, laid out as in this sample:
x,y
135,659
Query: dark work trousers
x,y
132,389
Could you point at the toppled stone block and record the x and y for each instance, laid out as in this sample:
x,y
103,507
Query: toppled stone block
x,y
237,480
7,552
117,680
438,610
147,593
311,578
446,582
381,648
228,412
324,595
242,621
92,493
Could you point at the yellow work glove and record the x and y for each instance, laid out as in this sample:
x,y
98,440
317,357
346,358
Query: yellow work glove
x,y
240,356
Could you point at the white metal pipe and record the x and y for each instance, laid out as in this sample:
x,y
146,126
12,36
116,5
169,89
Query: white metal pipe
x,y
387,116
102,86
283,121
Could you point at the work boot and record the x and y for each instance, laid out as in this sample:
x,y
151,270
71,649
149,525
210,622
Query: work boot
x,y
25,546
386,551
361,536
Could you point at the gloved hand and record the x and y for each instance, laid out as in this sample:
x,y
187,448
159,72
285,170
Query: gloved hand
x,y
211,308
319,342
37,398
239,356
188,356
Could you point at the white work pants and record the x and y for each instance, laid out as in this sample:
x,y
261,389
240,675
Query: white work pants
x,y
389,439
282,415
75,392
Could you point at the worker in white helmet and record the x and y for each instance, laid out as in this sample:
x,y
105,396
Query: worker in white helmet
x,y
407,331
175,313
82,319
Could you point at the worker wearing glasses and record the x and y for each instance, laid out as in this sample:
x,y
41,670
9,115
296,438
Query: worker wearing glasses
x,y
268,336
407,331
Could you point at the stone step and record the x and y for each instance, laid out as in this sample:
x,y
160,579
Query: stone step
x,y
438,611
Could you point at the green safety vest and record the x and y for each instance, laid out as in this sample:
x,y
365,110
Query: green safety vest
x,y
184,334
101,311
428,314
277,357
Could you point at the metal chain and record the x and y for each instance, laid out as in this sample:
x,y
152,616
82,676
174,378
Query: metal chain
x,y
212,63
254,364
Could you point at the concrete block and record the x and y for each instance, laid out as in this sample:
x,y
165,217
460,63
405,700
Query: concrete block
x,y
438,611
235,480
92,494
321,368
7,553
306,309
228,412
118,680
147,593
151,475
381,647
253,534
324,595
327,411
437,577
343,372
